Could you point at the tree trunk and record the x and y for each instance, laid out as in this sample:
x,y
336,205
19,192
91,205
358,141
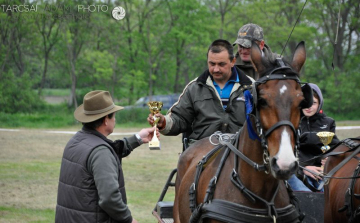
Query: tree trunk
x,y
46,54
72,61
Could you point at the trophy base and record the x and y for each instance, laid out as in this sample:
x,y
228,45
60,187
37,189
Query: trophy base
x,y
154,145
325,148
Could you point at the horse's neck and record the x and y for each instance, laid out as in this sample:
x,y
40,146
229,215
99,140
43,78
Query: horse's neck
x,y
250,148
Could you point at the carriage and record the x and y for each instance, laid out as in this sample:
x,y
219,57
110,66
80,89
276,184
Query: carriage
x,y
242,177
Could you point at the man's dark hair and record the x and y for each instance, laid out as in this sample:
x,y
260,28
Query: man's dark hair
x,y
220,45
98,122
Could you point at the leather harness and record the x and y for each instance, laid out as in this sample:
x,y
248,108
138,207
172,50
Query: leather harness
x,y
231,212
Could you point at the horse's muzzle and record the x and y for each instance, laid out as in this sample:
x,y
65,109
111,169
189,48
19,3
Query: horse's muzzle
x,y
283,174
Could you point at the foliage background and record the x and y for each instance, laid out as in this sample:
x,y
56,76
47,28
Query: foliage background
x,y
161,45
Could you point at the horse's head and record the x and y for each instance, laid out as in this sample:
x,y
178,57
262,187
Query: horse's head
x,y
278,99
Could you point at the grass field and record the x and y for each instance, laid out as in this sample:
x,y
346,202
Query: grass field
x,y
30,164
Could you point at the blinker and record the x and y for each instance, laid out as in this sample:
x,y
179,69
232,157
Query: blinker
x,y
308,96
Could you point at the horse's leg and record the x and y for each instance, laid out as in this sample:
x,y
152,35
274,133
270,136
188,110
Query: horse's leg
x,y
176,201
182,168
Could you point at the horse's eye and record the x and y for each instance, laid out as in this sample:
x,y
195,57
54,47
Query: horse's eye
x,y
262,102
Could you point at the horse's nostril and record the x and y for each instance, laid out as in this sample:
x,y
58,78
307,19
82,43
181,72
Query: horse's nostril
x,y
273,163
294,166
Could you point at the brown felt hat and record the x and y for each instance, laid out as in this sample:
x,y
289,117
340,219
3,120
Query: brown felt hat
x,y
96,105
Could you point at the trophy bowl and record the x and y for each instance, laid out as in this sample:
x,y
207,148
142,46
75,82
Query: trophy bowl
x,y
325,138
155,107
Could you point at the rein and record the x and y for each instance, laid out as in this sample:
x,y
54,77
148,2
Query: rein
x,y
348,203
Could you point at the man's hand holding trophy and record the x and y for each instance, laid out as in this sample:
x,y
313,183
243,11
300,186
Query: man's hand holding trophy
x,y
155,108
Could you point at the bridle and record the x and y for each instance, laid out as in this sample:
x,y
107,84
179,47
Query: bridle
x,y
260,135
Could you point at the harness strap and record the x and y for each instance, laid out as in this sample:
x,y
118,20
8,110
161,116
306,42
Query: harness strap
x,y
277,125
253,197
212,184
243,157
236,180
295,201
226,211
348,203
196,214
199,168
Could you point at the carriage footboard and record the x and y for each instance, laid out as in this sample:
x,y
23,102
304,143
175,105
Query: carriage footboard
x,y
164,211
312,204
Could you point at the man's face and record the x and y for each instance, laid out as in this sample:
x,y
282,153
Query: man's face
x,y
220,66
244,53
110,123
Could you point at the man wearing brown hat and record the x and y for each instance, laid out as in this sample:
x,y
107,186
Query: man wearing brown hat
x,y
248,34
91,183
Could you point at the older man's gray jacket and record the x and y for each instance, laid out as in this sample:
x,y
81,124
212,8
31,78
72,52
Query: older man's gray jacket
x,y
91,183
199,109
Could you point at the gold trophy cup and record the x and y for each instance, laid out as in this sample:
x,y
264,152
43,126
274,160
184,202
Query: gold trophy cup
x,y
325,138
155,107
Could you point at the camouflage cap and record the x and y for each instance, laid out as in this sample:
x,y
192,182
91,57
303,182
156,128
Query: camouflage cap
x,y
247,33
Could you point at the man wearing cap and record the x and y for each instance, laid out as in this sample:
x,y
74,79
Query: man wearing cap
x,y
91,183
248,34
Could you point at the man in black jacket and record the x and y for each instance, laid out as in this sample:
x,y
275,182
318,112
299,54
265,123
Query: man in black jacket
x,y
91,183
214,101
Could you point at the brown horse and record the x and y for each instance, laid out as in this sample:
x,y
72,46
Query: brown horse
x,y
256,191
342,203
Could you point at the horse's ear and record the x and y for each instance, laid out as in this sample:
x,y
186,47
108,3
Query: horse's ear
x,y
299,57
256,56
